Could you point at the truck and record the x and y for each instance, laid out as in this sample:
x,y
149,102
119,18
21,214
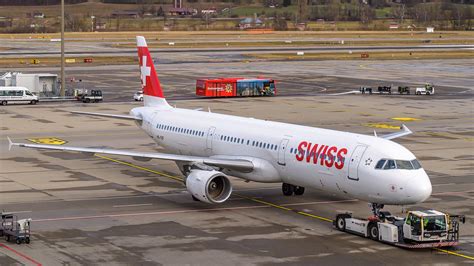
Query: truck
x,y
383,89
85,96
419,229
364,89
403,89
428,89
235,87
14,229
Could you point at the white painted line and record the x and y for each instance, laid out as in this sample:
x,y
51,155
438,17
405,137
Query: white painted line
x,y
178,211
15,212
132,205
447,184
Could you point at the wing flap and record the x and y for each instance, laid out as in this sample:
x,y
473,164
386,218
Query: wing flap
x,y
234,164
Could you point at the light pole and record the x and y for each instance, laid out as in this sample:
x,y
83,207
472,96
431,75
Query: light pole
x,y
92,23
63,77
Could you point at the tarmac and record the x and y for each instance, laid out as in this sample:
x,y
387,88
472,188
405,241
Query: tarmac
x,y
112,210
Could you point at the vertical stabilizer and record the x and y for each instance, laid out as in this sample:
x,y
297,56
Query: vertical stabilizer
x,y
152,92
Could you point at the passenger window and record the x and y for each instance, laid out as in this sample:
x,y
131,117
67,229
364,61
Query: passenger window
x,y
248,142
380,164
390,165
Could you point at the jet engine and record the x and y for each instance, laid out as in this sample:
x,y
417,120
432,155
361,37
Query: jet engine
x,y
209,186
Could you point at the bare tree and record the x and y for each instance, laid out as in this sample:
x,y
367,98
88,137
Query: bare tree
x,y
399,11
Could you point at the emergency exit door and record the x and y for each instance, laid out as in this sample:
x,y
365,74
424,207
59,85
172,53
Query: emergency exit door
x,y
281,151
210,136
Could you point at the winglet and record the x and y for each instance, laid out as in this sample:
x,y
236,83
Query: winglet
x,y
403,132
10,144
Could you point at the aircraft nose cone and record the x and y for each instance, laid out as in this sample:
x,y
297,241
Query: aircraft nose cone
x,y
418,188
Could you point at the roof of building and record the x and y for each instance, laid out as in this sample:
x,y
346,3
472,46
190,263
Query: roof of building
x,y
251,20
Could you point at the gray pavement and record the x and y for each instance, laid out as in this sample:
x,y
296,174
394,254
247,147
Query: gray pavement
x,y
91,210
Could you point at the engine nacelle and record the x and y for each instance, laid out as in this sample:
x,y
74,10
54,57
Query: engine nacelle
x,y
209,186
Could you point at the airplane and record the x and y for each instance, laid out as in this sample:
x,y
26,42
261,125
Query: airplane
x,y
209,147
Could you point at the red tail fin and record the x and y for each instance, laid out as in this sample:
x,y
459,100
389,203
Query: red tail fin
x,y
150,82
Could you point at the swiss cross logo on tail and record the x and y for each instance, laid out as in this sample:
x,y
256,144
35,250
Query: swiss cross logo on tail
x,y
150,82
145,70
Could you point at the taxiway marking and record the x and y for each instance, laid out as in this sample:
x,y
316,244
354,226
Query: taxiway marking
x,y
266,204
20,254
132,205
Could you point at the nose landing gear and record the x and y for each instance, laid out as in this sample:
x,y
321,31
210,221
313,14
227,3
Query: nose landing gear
x,y
376,210
289,190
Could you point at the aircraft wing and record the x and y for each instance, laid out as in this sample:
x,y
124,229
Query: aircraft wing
x,y
403,132
234,164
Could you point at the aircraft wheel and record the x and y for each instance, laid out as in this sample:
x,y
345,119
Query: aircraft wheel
x,y
299,191
287,189
18,241
27,240
374,231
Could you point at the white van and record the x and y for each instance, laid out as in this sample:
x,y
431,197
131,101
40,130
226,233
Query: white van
x,y
16,95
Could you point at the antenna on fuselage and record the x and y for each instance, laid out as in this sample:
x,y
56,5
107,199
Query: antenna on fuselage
x,y
209,109
375,133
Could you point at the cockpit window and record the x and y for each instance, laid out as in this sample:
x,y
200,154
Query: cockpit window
x,y
397,164
404,165
416,164
390,165
380,164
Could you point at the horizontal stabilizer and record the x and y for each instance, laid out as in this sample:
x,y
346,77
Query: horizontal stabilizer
x,y
124,117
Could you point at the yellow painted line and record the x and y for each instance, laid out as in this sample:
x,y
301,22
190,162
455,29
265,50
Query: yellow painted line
x,y
242,196
256,200
285,208
384,126
406,119
315,216
455,253
264,202
49,141
140,168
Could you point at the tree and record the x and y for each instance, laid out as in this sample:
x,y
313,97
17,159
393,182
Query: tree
x,y
399,12
279,23
286,3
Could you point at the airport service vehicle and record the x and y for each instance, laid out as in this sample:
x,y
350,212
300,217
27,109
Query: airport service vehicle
x,y
363,90
383,89
419,229
15,230
209,147
138,96
428,89
94,96
403,89
16,95
230,87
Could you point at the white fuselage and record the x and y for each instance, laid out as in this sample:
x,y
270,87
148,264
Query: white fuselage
x,y
334,161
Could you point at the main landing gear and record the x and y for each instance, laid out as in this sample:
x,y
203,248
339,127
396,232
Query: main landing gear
x,y
289,190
